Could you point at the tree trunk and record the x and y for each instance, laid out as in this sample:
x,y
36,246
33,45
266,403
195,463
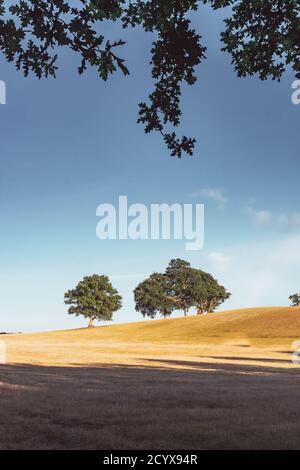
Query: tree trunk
x,y
185,312
91,323
200,309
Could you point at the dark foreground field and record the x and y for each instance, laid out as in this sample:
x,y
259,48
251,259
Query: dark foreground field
x,y
229,384
136,408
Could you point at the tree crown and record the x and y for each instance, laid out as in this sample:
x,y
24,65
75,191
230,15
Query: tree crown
x,y
179,288
94,297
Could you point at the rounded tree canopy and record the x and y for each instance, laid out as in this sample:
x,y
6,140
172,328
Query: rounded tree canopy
x,y
151,296
94,297
179,288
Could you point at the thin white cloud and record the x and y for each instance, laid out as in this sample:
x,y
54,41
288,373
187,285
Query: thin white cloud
x,y
260,274
219,258
260,217
215,195
288,221
282,222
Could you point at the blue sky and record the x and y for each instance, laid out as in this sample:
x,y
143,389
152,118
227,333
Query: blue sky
x,y
72,143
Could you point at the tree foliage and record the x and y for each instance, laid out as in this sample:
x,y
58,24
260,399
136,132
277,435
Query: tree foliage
x,y
95,298
181,284
208,293
179,288
150,296
295,299
262,37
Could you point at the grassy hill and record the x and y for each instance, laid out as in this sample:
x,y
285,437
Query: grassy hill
x,y
272,324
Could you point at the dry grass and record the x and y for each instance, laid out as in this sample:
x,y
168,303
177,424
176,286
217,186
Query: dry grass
x,y
214,382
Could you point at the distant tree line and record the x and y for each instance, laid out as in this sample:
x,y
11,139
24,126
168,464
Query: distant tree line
x,y
180,287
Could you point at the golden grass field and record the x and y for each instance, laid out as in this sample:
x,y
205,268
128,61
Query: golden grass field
x,y
218,381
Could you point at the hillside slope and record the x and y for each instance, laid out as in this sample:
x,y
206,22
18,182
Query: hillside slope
x,y
228,334
271,323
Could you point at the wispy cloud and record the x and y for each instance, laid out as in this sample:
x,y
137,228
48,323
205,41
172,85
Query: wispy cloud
x,y
282,222
219,258
215,195
289,222
260,217
264,273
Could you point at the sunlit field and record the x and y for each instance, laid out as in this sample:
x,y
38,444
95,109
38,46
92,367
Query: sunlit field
x,y
217,381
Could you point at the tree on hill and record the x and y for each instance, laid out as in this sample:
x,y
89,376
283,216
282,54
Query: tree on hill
x,y
217,295
207,293
94,298
295,299
180,284
262,37
151,297
203,287
179,288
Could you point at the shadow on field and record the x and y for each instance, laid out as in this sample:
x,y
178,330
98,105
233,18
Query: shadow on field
x,y
252,359
215,406
231,368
